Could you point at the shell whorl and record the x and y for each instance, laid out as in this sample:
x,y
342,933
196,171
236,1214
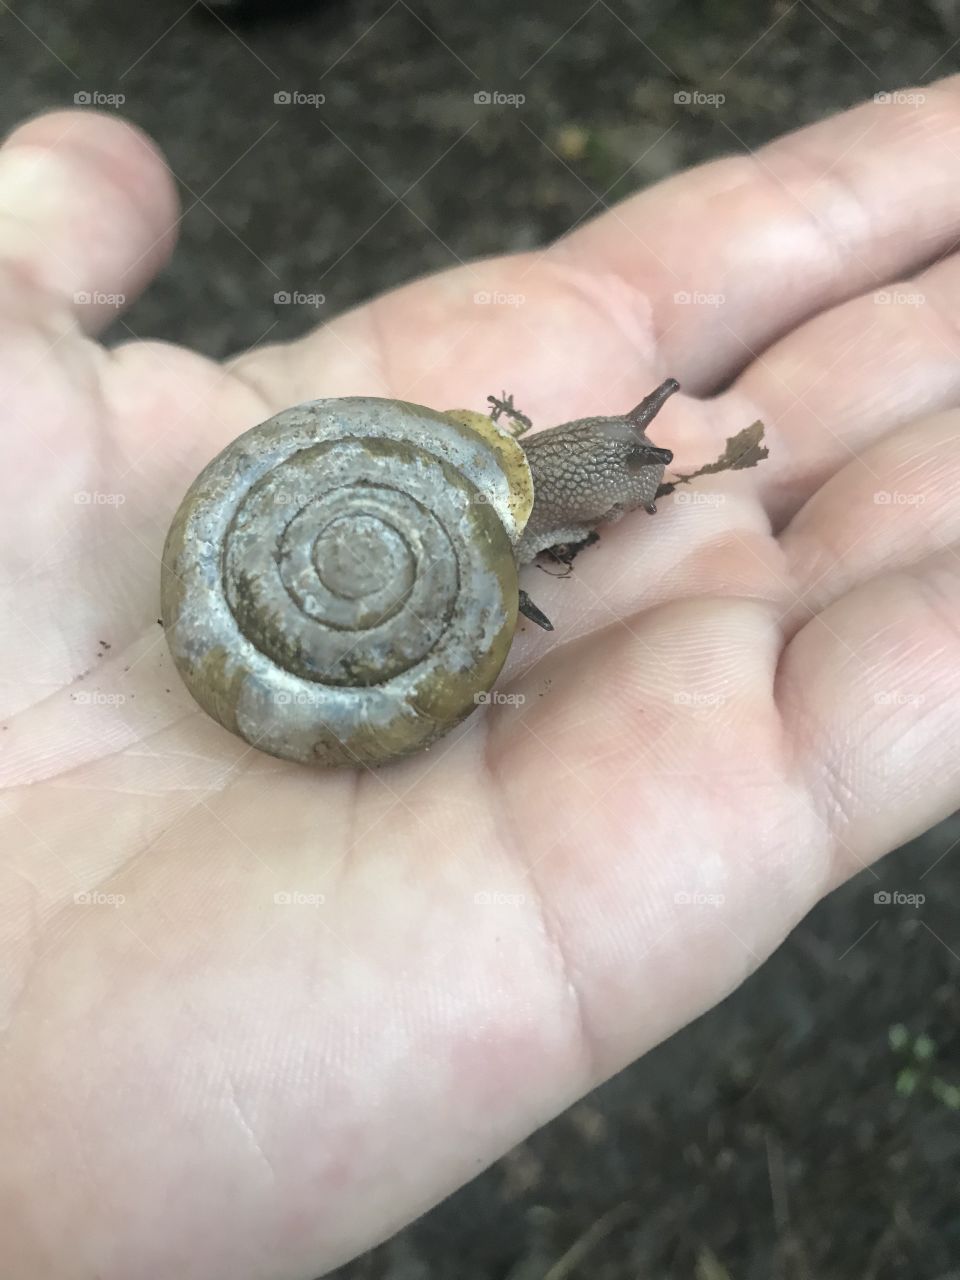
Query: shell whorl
x,y
339,583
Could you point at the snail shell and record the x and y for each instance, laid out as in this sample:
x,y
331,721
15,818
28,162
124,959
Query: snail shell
x,y
340,583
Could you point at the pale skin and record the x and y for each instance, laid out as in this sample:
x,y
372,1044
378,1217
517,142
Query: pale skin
x,y
750,699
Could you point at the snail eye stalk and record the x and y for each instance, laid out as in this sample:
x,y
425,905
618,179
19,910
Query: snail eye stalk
x,y
650,406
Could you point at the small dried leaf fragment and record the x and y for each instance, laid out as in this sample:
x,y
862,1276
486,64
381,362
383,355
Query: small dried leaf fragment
x,y
743,450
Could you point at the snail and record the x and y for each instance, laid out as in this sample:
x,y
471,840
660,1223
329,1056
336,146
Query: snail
x,y
339,585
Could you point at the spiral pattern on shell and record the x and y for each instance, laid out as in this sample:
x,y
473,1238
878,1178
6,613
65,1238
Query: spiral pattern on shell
x,y
339,583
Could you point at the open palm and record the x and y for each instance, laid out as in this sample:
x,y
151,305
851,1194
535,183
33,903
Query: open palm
x,y
256,1016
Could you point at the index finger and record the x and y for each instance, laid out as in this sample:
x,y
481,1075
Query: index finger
x,y
740,250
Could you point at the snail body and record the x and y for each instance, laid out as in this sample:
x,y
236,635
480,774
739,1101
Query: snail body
x,y
339,585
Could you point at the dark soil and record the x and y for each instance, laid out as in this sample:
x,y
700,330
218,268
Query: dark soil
x,y
784,1134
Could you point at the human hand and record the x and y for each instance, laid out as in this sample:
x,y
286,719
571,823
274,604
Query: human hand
x,y
748,697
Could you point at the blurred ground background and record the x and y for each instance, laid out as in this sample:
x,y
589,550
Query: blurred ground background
x,y
810,1126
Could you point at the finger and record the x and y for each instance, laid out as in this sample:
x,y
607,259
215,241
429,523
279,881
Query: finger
x,y
88,212
870,695
761,241
673,734
588,325
887,509
665,758
848,377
